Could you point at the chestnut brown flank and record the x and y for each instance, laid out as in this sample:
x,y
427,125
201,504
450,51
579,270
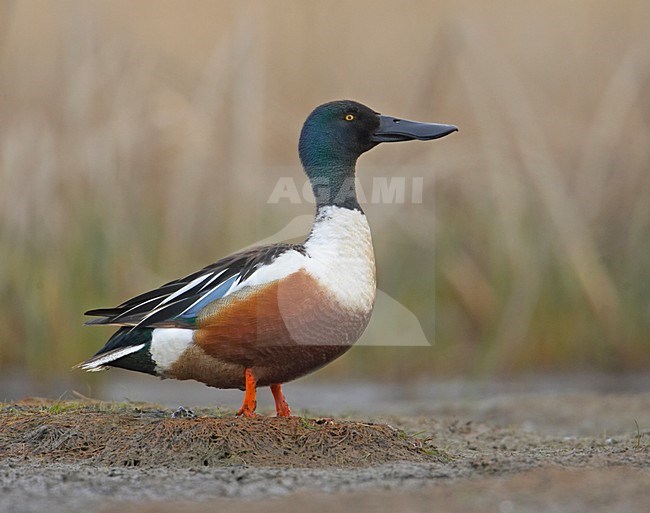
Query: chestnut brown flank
x,y
282,330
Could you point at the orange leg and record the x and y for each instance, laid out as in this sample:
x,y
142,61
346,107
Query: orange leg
x,y
250,402
281,406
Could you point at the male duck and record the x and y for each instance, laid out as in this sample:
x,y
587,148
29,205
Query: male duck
x,y
268,315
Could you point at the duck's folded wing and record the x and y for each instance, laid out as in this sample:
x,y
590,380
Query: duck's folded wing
x,y
176,304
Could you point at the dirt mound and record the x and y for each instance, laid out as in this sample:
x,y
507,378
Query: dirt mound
x,y
147,435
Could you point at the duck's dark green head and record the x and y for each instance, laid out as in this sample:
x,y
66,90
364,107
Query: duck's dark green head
x,y
337,133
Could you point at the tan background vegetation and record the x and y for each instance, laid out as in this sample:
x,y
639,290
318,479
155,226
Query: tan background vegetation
x,y
140,140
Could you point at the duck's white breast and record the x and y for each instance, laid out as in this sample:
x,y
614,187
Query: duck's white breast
x,y
341,258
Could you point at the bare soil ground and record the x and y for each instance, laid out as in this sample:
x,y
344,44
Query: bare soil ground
x,y
81,455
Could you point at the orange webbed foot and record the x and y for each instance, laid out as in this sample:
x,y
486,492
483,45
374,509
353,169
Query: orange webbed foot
x,y
281,407
246,411
250,398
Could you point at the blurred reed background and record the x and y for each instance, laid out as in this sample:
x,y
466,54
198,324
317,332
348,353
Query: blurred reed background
x,y
140,140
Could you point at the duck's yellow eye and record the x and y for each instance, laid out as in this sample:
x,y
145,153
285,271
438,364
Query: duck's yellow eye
x,y
349,117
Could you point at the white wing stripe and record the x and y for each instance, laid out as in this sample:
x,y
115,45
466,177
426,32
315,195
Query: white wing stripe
x,y
203,296
235,285
207,294
287,263
139,305
184,289
176,294
205,285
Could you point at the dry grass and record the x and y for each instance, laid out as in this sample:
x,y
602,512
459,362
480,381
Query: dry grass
x,y
145,436
135,148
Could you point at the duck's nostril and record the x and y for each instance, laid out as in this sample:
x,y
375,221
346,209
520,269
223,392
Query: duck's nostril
x,y
396,121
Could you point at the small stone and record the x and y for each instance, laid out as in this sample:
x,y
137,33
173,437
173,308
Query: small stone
x,y
183,413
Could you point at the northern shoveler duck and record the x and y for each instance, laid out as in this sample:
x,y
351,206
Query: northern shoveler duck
x,y
270,314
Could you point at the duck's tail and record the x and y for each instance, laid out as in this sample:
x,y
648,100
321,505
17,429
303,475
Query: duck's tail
x,y
128,348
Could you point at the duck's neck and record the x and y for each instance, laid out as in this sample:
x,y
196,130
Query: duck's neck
x,y
334,184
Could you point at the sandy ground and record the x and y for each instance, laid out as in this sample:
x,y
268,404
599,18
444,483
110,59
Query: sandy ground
x,y
533,451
